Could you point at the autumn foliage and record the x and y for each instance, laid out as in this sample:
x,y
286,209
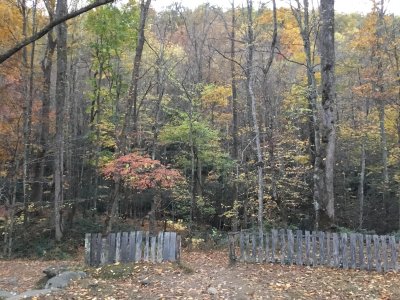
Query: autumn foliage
x,y
141,172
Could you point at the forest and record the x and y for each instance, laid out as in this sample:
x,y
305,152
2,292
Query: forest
x,y
206,121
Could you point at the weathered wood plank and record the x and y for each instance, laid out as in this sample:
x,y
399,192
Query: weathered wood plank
x,y
104,251
335,250
353,245
147,246
124,247
283,246
132,245
290,239
394,253
160,244
88,240
241,244
253,247
321,239
99,249
308,248
111,252
172,245
247,239
314,248
328,258
138,251
343,250
231,244
377,255
167,238
369,252
274,242
299,256
118,247
267,257
384,253
361,259
93,248
153,249
178,248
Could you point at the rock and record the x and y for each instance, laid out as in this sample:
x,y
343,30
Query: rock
x,y
30,294
212,291
54,271
62,280
5,295
145,282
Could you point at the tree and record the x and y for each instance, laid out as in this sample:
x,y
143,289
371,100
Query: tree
x,y
328,136
138,172
61,85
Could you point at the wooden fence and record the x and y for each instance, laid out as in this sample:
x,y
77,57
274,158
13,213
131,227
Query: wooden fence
x,y
131,246
340,250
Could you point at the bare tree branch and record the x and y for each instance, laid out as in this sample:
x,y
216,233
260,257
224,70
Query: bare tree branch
x,y
6,55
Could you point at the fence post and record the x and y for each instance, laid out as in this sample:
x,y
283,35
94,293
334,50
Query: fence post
x,y
314,248
353,241
274,234
384,253
241,241
231,239
299,256
343,248
290,246
283,245
376,253
321,238
307,238
335,250
394,252
267,247
361,250
369,252
87,248
132,246
118,247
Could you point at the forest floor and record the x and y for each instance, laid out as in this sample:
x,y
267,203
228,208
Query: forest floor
x,y
206,275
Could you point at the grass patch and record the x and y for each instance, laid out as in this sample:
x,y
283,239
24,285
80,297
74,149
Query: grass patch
x,y
114,271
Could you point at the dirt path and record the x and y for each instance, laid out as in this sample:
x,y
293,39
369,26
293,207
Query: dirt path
x,y
203,272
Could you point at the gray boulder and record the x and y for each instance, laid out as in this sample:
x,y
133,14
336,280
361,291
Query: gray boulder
x,y
62,280
54,271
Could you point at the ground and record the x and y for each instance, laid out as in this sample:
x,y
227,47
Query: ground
x,y
203,272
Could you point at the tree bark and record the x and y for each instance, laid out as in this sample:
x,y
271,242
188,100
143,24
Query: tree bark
x,y
61,82
132,103
252,100
328,136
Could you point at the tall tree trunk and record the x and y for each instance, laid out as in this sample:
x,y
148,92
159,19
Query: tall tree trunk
x,y
328,135
61,82
132,109
235,125
361,188
252,99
